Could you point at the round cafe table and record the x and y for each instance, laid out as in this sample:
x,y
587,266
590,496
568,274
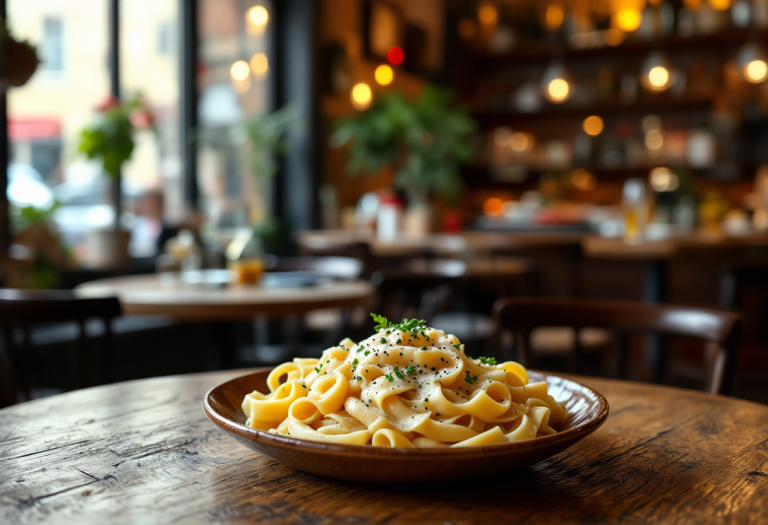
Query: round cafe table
x,y
143,452
147,295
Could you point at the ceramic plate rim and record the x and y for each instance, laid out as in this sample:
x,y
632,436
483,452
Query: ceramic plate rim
x,y
588,426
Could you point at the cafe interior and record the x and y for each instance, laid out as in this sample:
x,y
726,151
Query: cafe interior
x,y
215,184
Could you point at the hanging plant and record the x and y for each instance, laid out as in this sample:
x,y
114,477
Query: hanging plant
x,y
110,138
18,59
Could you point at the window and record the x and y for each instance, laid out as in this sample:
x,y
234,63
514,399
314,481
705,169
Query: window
x,y
45,117
233,80
150,68
52,46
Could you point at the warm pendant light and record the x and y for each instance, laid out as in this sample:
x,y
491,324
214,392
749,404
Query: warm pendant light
x,y
752,62
556,85
657,74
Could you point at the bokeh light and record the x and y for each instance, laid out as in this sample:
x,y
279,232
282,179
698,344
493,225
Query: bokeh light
x,y
627,19
396,55
583,180
493,206
658,77
663,180
614,36
654,140
259,65
258,16
558,90
521,142
240,70
720,5
554,16
488,14
384,75
756,71
593,125
361,95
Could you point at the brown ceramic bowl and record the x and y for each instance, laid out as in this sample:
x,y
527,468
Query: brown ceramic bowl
x,y
586,408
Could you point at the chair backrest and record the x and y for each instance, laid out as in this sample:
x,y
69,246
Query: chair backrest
x,y
745,289
41,306
347,268
24,308
422,285
719,328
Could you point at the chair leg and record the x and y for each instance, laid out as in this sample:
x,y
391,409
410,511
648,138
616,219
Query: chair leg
x,y
81,358
108,353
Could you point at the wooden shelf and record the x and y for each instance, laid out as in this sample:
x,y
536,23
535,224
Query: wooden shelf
x,y
662,104
541,51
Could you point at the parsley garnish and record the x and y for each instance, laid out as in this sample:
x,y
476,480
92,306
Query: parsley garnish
x,y
383,340
457,347
357,378
487,360
399,374
406,325
381,321
354,364
367,352
472,380
389,377
411,370
318,368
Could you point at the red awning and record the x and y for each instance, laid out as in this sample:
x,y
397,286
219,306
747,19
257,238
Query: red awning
x,y
30,129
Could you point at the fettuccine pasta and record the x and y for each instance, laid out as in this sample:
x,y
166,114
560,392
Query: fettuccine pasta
x,y
406,386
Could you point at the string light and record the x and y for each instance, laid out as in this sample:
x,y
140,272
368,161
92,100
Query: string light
x,y
258,16
384,75
361,96
259,65
756,71
593,125
240,70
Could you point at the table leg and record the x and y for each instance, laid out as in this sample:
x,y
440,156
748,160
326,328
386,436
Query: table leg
x,y
655,291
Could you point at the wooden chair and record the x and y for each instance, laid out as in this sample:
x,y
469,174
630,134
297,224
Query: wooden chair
x,y
718,328
419,289
22,309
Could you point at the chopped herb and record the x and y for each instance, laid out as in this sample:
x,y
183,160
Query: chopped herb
x,y
399,374
381,321
411,370
487,360
383,340
357,378
318,368
354,364
457,347
389,377
472,380
426,400
367,352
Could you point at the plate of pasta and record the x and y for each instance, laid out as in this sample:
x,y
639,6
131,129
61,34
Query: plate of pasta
x,y
406,404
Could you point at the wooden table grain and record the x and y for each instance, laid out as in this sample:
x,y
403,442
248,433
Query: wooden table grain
x,y
143,452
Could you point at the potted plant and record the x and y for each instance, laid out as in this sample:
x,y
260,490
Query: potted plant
x,y
111,140
18,58
423,141
263,140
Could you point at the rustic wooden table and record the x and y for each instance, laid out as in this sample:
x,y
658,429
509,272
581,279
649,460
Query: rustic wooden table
x,y
146,295
143,452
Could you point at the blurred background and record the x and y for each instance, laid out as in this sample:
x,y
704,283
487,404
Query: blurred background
x,y
592,149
